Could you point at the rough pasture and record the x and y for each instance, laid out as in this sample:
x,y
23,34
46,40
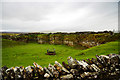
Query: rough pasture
x,y
23,54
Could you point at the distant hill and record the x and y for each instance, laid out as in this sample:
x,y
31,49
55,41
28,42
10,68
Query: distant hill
x,y
14,32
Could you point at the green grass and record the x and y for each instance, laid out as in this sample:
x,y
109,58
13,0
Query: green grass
x,y
21,54
9,43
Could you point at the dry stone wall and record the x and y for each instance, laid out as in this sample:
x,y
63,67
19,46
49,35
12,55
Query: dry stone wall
x,y
104,67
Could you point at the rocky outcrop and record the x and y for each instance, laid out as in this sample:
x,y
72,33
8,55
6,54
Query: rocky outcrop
x,y
43,38
75,39
85,39
56,38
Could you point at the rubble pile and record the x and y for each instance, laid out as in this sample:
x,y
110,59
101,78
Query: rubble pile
x,y
102,68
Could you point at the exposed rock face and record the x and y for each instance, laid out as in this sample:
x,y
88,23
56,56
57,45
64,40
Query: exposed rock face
x,y
102,68
86,40
70,39
56,39
43,38
89,43
40,41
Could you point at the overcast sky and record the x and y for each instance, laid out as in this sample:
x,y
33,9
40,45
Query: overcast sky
x,y
59,16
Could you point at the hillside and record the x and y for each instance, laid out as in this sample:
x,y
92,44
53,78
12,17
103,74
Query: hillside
x,y
21,54
104,49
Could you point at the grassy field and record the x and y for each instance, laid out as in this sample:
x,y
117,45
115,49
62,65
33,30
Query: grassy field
x,y
23,54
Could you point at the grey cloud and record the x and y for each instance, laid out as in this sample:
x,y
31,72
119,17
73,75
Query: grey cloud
x,y
26,11
63,16
59,0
